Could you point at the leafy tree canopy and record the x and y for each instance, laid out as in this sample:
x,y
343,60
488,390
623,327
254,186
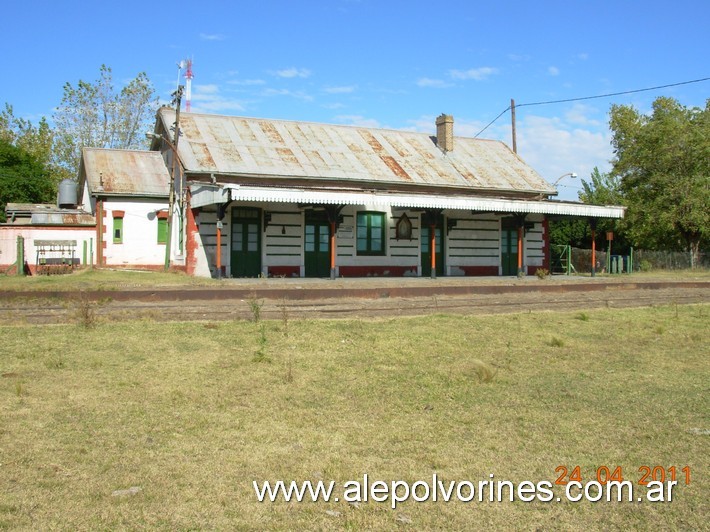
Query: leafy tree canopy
x,y
662,162
95,115
38,141
24,177
601,189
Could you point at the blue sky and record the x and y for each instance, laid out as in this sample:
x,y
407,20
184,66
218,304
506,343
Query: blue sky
x,y
392,64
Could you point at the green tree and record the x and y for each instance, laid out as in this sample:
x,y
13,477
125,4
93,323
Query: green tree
x,y
24,178
605,189
601,189
570,232
95,115
663,163
38,141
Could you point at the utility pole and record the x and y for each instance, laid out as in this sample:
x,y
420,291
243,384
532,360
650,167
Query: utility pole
x,y
171,192
512,119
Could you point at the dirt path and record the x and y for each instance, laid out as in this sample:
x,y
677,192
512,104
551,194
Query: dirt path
x,y
350,301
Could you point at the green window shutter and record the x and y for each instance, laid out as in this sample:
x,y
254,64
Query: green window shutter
x,y
162,230
370,233
118,230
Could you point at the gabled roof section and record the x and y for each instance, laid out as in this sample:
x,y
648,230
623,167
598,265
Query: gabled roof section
x,y
262,148
124,173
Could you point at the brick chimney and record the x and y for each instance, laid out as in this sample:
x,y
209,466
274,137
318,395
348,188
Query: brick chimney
x,y
445,132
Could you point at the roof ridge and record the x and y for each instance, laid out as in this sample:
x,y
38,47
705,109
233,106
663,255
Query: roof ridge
x,y
327,124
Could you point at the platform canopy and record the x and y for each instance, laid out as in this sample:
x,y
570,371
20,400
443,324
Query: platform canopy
x,y
207,194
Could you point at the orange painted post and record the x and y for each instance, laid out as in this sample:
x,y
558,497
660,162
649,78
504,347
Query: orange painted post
x,y
332,250
520,250
219,251
432,248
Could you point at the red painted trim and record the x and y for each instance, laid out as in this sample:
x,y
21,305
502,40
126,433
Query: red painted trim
x,y
162,215
148,267
479,271
192,238
118,214
532,270
376,271
284,271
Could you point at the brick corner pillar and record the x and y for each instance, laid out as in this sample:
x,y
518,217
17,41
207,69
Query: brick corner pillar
x,y
100,232
191,240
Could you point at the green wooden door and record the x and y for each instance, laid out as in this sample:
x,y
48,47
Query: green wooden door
x,y
317,249
425,245
509,249
246,242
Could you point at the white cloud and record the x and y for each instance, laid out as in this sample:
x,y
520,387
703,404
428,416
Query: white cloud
x,y
519,57
212,36
553,71
292,72
357,120
333,106
339,90
434,83
583,56
500,130
478,74
575,142
206,89
208,99
553,148
247,82
299,95
579,114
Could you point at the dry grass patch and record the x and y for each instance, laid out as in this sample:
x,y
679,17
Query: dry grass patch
x,y
179,419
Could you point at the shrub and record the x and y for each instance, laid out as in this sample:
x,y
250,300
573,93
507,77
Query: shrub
x,y
483,371
556,342
85,312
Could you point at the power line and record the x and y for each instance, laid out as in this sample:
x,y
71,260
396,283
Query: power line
x,y
492,121
614,93
591,98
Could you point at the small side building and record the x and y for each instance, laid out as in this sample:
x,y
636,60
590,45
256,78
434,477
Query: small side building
x,y
127,191
56,239
115,217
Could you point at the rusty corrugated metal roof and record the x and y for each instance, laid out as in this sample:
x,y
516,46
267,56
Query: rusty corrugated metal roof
x,y
46,214
57,218
277,148
125,172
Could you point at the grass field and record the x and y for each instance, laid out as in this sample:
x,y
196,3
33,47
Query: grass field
x,y
103,279
192,413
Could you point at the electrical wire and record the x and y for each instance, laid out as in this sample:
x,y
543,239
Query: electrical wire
x,y
492,121
567,100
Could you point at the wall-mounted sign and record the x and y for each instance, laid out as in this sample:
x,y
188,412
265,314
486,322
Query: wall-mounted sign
x,y
345,231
